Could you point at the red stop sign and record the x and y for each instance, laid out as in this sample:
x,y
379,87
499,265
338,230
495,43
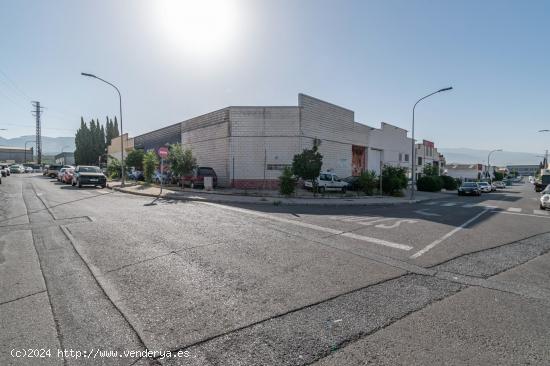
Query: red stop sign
x,y
163,152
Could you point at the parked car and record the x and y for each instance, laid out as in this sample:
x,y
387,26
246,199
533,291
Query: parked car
x,y
85,175
136,175
29,169
485,187
545,200
60,174
328,181
196,178
469,188
353,183
499,184
164,177
53,170
68,176
16,168
5,169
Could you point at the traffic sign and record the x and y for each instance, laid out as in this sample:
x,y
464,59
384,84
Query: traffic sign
x,y
163,152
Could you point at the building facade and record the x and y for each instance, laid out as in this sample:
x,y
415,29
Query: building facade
x,y
65,158
467,172
10,154
249,146
426,154
113,150
524,170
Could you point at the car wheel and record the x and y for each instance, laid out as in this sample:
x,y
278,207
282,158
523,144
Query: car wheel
x,y
344,189
103,185
79,184
542,207
321,189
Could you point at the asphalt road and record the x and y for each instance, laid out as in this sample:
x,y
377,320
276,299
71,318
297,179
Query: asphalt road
x,y
458,281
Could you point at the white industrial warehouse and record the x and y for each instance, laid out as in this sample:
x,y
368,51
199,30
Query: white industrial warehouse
x,y
248,147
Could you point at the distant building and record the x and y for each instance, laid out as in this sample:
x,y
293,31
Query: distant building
x,y
426,154
113,150
65,158
466,171
10,154
524,170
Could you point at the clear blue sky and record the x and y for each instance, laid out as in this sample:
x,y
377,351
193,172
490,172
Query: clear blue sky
x,y
177,59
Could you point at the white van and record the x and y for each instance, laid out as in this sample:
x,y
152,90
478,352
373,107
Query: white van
x,y
328,181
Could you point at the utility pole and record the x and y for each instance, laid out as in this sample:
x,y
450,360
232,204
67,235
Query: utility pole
x,y
37,112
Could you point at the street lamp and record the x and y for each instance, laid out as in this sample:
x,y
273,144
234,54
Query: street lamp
x,y
26,142
121,139
413,166
488,175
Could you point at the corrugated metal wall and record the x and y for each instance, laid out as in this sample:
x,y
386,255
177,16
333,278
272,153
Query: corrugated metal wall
x,y
155,139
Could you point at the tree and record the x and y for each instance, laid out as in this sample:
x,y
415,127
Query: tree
x,y
394,180
430,170
307,165
367,182
181,160
135,159
113,168
498,175
90,142
429,183
150,163
287,182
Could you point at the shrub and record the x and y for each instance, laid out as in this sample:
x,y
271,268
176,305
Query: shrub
x,y
449,183
307,165
367,182
429,184
135,159
394,180
113,168
150,162
287,182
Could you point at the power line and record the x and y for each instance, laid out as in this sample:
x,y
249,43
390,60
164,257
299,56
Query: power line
x,y
15,86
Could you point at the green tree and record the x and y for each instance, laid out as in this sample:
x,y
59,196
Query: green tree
x,y
430,170
367,182
181,160
429,183
150,163
498,175
135,159
394,180
307,165
287,182
113,168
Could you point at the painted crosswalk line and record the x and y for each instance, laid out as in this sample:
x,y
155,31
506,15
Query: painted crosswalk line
x,y
513,209
540,212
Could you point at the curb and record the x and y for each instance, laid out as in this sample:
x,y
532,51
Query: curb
x,y
271,201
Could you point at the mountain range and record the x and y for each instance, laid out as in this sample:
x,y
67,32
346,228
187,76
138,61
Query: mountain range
x,y
501,158
50,145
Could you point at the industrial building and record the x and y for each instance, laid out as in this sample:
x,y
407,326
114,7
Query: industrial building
x,y
9,154
249,146
65,158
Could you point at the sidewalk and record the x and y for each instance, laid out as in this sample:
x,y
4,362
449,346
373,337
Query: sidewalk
x,y
212,196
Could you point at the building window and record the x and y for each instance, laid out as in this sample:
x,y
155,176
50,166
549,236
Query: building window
x,y
419,160
400,157
406,157
277,166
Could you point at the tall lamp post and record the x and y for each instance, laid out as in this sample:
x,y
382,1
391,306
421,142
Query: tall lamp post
x,y
121,139
488,175
26,142
546,155
413,166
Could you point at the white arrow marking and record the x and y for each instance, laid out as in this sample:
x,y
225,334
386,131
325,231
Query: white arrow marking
x,y
395,224
422,212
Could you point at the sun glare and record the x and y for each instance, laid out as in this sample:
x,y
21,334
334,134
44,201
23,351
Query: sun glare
x,y
200,27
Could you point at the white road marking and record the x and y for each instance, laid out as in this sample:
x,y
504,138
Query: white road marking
x,y
540,212
425,213
314,227
377,241
524,214
396,224
470,205
431,203
488,207
448,235
449,204
513,209
372,222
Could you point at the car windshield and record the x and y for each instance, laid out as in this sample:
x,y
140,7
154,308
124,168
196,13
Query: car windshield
x,y
483,183
469,185
205,171
89,169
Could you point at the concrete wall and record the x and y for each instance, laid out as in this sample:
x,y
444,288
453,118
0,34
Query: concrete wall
x,y
336,129
208,138
263,141
394,145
